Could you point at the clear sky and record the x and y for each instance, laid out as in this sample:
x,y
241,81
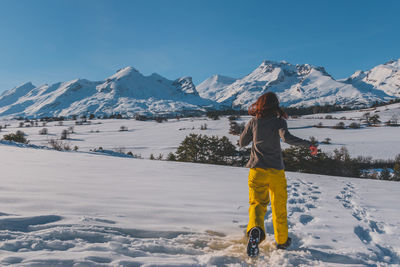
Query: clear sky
x,y
46,41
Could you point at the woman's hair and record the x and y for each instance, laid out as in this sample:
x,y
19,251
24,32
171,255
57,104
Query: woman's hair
x,y
267,105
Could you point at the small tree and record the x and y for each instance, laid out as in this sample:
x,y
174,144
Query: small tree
x,y
394,119
233,117
123,129
385,174
44,131
374,119
64,134
340,125
396,172
213,115
171,156
313,140
366,117
236,128
160,119
354,125
327,141
152,156
396,169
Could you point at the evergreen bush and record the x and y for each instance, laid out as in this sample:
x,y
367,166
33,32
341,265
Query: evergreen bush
x,y
18,137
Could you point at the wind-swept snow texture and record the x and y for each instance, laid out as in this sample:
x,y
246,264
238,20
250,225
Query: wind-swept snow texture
x,y
304,85
79,209
126,92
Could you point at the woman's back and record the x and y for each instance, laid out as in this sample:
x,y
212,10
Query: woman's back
x,y
265,133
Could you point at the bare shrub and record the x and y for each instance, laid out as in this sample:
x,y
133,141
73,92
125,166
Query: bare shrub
x,y
59,145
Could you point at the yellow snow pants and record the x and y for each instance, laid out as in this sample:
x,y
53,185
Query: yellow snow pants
x,y
266,184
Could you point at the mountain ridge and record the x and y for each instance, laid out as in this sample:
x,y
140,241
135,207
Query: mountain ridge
x,y
125,92
299,85
129,92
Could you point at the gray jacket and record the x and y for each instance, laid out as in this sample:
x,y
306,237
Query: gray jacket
x,y
266,148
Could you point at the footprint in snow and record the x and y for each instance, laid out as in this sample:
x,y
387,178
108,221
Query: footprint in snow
x,y
310,206
363,234
305,219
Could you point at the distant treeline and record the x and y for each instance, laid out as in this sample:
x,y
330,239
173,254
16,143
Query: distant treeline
x,y
214,150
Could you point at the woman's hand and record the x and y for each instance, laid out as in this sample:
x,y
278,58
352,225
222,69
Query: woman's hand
x,y
313,150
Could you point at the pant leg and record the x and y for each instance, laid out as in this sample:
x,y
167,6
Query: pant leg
x,y
258,199
278,193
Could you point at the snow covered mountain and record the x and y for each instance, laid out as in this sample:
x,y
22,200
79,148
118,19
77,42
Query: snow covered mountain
x,y
126,92
385,77
10,96
130,92
296,85
214,87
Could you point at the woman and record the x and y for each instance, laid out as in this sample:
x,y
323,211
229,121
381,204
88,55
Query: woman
x,y
267,177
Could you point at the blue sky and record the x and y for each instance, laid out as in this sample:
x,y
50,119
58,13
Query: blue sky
x,y
46,41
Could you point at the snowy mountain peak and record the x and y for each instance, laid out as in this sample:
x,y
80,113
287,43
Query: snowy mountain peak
x,y
11,96
20,89
285,68
384,77
124,72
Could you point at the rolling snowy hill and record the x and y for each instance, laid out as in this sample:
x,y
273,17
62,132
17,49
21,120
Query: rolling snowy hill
x,y
296,85
80,209
126,92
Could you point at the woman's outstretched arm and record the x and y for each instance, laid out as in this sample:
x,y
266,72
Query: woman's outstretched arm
x,y
287,137
247,135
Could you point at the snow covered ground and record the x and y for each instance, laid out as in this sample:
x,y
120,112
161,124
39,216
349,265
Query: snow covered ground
x,y
81,209
149,137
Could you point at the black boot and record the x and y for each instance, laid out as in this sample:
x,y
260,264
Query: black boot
x,y
284,245
254,240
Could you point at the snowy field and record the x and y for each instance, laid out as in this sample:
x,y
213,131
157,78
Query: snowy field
x,y
149,137
81,209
